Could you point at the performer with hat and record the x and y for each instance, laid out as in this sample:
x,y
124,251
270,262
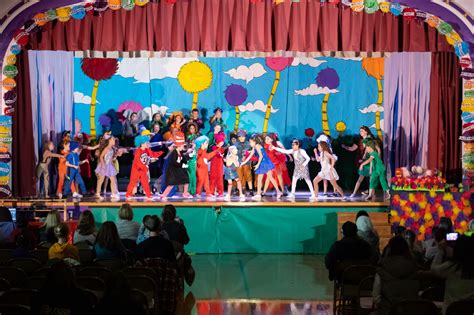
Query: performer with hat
x,y
177,173
142,158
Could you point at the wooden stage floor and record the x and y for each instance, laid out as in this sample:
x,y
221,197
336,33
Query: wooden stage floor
x,y
301,200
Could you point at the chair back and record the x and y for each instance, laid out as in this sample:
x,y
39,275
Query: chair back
x,y
14,275
95,271
84,245
414,307
12,309
113,264
146,285
93,301
464,307
365,299
86,256
129,244
42,271
41,255
35,282
18,296
4,285
353,275
140,271
28,265
167,283
94,284
5,255
140,298
397,290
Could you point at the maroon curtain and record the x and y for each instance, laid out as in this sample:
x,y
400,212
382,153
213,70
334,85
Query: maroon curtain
x,y
444,147
238,25
23,155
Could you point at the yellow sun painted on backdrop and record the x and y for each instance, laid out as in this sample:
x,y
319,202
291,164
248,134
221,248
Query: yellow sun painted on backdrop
x,y
195,77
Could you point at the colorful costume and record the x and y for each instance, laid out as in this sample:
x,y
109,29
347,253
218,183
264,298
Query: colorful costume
x,y
216,176
244,171
363,157
192,162
107,169
230,172
72,173
62,172
327,172
378,172
202,171
279,160
140,164
265,165
43,169
177,174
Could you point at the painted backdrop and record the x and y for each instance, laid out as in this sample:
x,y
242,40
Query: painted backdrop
x,y
283,95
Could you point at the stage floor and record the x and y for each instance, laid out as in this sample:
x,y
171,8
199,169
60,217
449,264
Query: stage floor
x,y
301,200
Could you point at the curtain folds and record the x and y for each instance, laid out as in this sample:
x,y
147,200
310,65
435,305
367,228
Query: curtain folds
x,y
238,25
444,148
406,110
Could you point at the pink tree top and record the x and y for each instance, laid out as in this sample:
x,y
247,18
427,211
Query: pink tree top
x,y
278,63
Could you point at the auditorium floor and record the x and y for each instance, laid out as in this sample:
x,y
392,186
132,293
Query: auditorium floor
x,y
259,284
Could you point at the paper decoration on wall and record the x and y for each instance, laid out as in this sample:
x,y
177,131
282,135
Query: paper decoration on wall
x,y
78,12
40,19
15,49
9,84
371,6
384,6
396,8
420,16
8,111
433,20
461,49
5,157
11,59
453,38
4,169
465,62
10,98
195,77
100,7
170,1
21,37
467,73
357,5
64,14
10,71
51,14
444,28
236,95
409,14
31,27
128,4
5,191
141,3
114,4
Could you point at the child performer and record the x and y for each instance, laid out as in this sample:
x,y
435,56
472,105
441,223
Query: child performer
x,y
177,121
377,171
216,176
327,172
105,168
244,171
216,119
177,173
202,172
43,166
278,159
263,166
62,169
230,171
142,158
192,165
73,174
301,171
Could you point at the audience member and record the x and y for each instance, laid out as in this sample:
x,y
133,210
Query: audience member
x,y
143,233
395,277
366,231
62,249
60,294
398,230
22,247
86,230
108,244
439,236
155,246
174,226
23,230
127,229
46,231
416,252
351,249
457,269
7,226
447,224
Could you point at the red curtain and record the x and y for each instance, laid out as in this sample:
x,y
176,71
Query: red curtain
x,y
444,147
23,149
238,25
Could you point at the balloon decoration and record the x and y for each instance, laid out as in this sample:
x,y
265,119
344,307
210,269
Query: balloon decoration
x,y
9,84
10,71
10,98
357,5
40,19
21,37
371,6
461,49
433,20
384,6
78,12
141,3
15,49
409,14
396,8
64,14
444,28
128,4
11,59
51,14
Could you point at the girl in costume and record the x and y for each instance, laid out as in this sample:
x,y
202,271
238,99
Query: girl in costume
x,y
192,130
301,159
177,121
62,169
216,119
230,172
106,169
278,159
263,166
328,172
202,172
216,177
377,171
327,139
142,158
177,173
192,165
159,120
216,129
244,171
43,166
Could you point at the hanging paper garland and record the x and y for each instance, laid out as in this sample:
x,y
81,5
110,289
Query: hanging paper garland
x,y
371,6
100,6
9,84
465,62
444,28
469,94
461,49
467,73
357,5
453,38
21,37
8,111
409,14
174,1
115,4
128,4
276,2
11,59
78,12
396,8
15,49
420,16
347,3
5,191
433,20
31,27
384,6
5,157
40,19
141,3
51,14
333,2
4,169
10,98
64,14
89,8
10,71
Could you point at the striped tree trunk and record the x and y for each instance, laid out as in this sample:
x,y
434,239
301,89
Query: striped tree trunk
x,y
195,100
324,115
378,113
269,103
237,119
93,131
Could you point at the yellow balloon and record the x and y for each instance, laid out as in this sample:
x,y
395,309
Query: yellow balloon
x,y
11,59
141,3
384,7
64,14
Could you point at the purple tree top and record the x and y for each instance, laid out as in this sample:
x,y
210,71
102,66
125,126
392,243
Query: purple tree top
x,y
328,78
235,95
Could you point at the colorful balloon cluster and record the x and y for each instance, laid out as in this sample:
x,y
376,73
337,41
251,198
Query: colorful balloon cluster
x,y
421,211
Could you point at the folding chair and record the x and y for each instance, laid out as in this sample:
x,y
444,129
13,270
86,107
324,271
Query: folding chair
x,y
111,263
95,271
86,256
14,275
415,307
40,254
140,271
18,296
364,298
94,284
11,309
140,298
35,282
28,265
146,285
464,307
349,286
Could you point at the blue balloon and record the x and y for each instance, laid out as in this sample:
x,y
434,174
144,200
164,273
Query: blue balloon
x,y
78,12
461,49
4,169
15,49
396,8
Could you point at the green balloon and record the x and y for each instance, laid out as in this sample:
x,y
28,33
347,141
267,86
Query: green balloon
x,y
10,71
445,28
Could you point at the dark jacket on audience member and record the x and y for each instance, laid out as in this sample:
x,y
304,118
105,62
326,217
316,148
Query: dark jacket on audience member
x,y
346,250
61,301
156,247
176,232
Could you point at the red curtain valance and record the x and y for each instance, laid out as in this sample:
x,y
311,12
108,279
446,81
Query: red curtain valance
x,y
238,25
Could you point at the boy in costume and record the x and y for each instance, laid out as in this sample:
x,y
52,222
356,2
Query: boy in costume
x,y
216,177
202,171
244,171
73,162
192,166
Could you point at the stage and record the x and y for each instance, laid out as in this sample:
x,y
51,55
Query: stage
x,y
219,226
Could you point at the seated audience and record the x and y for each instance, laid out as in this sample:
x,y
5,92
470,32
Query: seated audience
x,y
62,249
351,249
86,230
398,230
457,268
23,230
46,232
108,244
439,235
395,277
7,226
60,294
143,233
127,229
174,226
155,246
447,224
415,250
366,231
22,247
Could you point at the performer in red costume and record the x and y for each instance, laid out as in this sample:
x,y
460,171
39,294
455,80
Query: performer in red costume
x,y
142,158
216,177
203,158
280,173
